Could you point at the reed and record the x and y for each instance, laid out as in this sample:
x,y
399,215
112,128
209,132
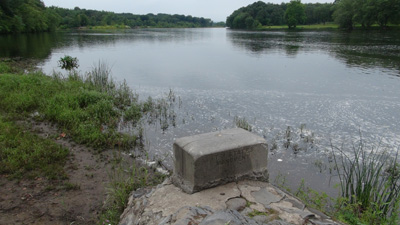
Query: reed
x,y
242,123
369,181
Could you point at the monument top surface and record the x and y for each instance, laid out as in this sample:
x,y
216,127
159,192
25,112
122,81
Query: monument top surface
x,y
219,141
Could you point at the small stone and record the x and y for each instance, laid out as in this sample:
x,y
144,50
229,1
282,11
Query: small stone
x,y
187,215
237,204
230,217
279,222
265,197
261,219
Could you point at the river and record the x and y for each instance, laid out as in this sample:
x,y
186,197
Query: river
x,y
325,87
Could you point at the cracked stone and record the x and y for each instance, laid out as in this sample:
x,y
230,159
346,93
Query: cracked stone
x,y
265,197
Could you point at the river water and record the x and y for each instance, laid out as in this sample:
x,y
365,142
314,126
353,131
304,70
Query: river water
x,y
323,87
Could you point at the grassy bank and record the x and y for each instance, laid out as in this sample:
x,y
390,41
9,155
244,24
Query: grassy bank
x,y
327,26
88,109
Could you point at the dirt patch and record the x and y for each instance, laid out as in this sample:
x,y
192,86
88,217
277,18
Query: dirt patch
x,y
76,200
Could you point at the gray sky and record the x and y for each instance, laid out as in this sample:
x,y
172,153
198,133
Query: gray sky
x,y
217,10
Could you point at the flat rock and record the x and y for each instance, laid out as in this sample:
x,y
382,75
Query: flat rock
x,y
229,216
265,197
263,204
237,204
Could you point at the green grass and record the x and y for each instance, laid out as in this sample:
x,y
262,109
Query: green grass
x,y
23,154
123,182
327,26
303,27
5,68
87,111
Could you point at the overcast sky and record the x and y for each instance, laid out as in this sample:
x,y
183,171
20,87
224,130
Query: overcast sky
x,y
217,10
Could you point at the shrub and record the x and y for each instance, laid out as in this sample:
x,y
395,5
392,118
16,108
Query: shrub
x,y
68,63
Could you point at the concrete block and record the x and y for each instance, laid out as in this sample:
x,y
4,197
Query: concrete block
x,y
211,159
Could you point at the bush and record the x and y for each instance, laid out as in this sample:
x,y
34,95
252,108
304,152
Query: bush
x,y
68,63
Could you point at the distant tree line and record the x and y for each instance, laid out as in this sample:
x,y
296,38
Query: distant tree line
x,y
34,16
269,14
82,17
346,13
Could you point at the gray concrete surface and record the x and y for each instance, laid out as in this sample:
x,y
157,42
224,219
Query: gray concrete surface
x,y
211,159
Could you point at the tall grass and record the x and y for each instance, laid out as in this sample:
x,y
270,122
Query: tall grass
x,y
369,182
79,108
123,182
88,107
100,77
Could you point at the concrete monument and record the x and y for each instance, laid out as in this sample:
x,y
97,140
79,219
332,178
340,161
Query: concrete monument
x,y
208,160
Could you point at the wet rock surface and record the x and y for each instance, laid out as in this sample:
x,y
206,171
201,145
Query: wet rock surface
x,y
244,202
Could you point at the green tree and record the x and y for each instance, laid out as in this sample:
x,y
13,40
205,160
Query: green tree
x,y
84,20
295,14
255,15
387,11
323,13
344,14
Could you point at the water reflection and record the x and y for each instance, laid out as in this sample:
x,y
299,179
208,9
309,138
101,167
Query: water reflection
x,y
37,45
364,49
41,45
264,42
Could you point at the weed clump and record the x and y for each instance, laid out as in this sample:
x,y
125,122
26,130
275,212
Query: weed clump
x,y
242,123
68,63
88,107
123,182
370,185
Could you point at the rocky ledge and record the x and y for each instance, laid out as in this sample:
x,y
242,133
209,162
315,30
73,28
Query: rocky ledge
x,y
236,203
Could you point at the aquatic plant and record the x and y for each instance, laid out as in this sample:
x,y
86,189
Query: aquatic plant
x,y
369,182
68,63
242,123
100,77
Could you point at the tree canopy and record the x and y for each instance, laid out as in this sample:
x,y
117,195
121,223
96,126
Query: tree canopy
x,y
269,14
256,14
346,13
82,17
34,16
26,16
366,12
295,14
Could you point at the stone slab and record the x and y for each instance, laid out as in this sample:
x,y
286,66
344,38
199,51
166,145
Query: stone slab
x,y
169,205
208,160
